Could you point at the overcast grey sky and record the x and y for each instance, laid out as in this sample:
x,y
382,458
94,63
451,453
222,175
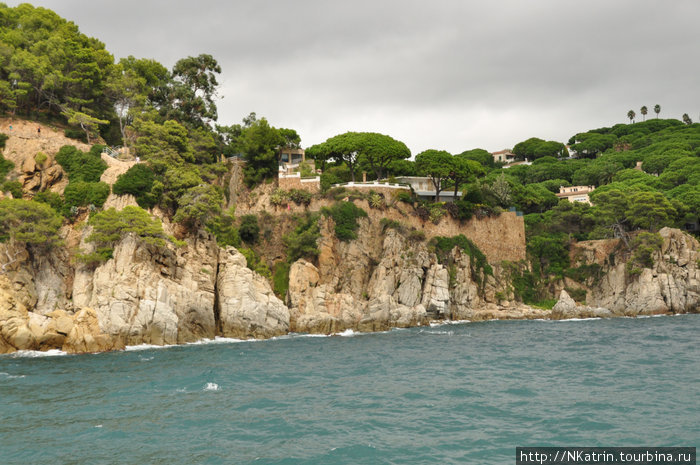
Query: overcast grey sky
x,y
452,75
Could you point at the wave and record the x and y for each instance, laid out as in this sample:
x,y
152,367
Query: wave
x,y
437,333
9,376
346,333
219,340
147,347
37,353
434,324
211,387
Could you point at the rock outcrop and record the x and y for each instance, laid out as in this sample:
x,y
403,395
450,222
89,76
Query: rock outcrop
x,y
76,332
246,306
153,295
671,285
566,308
379,281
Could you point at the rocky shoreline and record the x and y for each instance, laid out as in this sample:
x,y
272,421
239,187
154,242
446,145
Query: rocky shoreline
x,y
382,280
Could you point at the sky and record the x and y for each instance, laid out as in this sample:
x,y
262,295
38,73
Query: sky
x,y
449,75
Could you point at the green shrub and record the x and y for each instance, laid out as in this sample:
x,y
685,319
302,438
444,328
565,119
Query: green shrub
x,y
300,196
29,222
301,242
579,295
386,223
249,230
306,171
345,215
13,187
442,246
3,139
462,210
549,253
280,279
40,158
223,227
643,248
137,181
5,167
525,284
404,197
82,194
77,134
53,199
81,166
416,235
436,212
327,180
583,273
375,200
111,225
545,304
255,263
279,198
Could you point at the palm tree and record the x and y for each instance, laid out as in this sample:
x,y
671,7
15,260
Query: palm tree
x,y
686,119
657,110
643,111
631,115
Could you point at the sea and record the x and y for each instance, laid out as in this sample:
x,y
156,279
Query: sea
x,y
452,393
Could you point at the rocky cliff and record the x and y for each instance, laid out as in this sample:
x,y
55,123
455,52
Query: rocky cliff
x,y
143,294
385,278
670,285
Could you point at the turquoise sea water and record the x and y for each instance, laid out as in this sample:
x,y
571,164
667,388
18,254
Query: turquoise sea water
x,y
450,394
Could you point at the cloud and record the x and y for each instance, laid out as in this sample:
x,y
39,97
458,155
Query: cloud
x,y
441,74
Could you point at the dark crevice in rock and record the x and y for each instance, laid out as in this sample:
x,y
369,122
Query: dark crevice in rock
x,y
217,304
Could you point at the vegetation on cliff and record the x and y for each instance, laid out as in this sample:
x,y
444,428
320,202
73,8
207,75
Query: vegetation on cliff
x,y
646,174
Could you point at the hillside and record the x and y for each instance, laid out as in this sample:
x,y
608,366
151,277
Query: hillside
x,y
198,237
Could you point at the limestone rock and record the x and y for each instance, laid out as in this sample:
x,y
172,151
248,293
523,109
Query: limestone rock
x,y
314,307
85,335
247,307
150,295
671,285
118,202
436,294
566,308
14,318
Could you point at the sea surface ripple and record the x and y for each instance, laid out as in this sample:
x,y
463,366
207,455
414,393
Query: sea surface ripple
x,y
446,394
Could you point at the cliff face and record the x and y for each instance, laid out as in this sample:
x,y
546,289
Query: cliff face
x,y
142,295
670,285
385,278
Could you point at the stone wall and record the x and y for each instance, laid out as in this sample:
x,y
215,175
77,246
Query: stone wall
x,y
500,237
288,182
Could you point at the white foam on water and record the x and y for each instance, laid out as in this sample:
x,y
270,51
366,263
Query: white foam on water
x,y
38,353
578,319
218,340
346,333
297,335
439,333
146,359
98,426
9,376
147,347
181,390
433,324
211,387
